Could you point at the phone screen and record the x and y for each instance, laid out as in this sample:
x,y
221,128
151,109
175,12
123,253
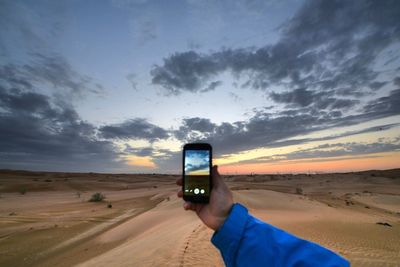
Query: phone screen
x,y
197,164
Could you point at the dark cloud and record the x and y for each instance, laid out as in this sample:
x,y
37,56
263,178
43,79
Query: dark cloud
x,y
343,103
38,134
299,141
328,151
212,86
133,129
396,81
272,129
191,168
385,106
198,124
324,58
141,152
377,85
42,132
326,45
301,97
185,71
11,76
194,128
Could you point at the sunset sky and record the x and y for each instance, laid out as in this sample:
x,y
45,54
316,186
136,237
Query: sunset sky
x,y
197,162
274,86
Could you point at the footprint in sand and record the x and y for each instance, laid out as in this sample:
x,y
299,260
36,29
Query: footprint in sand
x,y
198,250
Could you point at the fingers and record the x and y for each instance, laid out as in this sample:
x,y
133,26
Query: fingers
x,y
186,205
180,193
189,206
179,182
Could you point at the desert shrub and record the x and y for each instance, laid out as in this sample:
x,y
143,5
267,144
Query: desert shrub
x,y
109,205
97,197
22,190
299,191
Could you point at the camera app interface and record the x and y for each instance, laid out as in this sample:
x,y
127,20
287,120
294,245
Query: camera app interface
x,y
197,172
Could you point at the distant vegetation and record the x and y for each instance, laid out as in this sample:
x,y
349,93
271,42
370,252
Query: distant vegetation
x,y
22,190
97,197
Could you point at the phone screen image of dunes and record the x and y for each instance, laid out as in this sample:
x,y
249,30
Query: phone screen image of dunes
x,y
197,172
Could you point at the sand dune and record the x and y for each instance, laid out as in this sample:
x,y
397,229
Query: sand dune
x,y
46,219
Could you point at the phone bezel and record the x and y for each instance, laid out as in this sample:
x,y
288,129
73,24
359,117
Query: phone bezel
x,y
196,146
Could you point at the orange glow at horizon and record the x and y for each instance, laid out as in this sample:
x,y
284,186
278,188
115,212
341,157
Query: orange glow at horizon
x,y
380,161
199,172
140,161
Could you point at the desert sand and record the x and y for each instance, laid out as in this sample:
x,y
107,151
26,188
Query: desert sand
x,y
46,219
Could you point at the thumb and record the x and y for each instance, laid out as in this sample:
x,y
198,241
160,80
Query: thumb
x,y
216,177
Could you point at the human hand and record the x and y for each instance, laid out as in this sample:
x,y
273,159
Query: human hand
x,y
217,210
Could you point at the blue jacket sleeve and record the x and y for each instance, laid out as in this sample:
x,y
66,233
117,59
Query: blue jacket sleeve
x,y
246,241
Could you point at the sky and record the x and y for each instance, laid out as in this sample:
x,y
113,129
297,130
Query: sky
x,y
274,86
197,162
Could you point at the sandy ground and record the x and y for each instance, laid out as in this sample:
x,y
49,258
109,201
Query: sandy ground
x,y
46,219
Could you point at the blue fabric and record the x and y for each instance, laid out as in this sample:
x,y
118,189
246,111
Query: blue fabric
x,y
246,241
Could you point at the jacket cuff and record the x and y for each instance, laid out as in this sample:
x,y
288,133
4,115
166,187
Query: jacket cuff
x,y
228,236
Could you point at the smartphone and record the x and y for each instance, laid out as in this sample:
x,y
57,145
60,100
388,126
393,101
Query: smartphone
x,y
197,162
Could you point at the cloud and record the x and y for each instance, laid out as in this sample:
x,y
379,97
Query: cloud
x,y
299,97
57,72
10,75
41,135
328,151
194,128
344,149
212,86
185,71
50,70
137,128
377,85
196,160
43,132
265,129
168,162
385,106
396,81
141,152
326,45
192,168
302,98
